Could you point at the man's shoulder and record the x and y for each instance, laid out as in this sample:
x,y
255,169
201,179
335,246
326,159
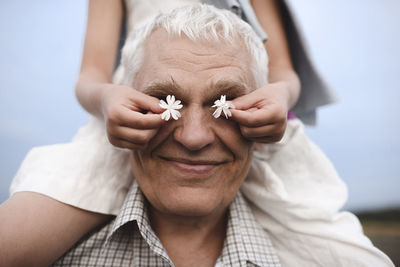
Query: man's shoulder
x,y
95,249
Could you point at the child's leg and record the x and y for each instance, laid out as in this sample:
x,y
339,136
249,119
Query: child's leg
x,y
296,195
35,230
53,193
88,173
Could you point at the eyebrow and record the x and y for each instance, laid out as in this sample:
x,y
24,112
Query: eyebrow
x,y
164,88
230,88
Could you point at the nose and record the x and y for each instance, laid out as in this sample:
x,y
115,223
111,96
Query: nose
x,y
195,130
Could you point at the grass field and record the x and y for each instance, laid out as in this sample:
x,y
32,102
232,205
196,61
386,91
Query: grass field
x,y
383,228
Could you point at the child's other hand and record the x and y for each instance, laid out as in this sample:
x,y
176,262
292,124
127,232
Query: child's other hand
x,y
262,114
131,117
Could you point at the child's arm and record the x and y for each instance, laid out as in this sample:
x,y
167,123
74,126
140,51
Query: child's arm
x,y
262,114
35,230
120,106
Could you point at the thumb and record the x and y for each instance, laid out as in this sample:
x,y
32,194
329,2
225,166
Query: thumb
x,y
245,102
147,102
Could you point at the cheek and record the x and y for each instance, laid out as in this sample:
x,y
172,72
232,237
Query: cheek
x,y
137,161
161,136
228,132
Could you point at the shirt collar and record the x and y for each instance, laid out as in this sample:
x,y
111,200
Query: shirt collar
x,y
135,209
245,240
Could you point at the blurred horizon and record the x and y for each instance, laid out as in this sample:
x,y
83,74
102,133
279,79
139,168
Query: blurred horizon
x,y
355,45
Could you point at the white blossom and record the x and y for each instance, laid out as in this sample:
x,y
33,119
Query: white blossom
x,y
171,107
222,106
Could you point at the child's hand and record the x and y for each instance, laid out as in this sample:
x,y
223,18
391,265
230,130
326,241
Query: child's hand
x,y
131,117
262,114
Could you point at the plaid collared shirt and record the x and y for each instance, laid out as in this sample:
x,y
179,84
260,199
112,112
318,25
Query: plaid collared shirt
x,y
129,240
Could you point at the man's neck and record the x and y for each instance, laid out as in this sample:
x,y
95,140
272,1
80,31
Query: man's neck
x,y
191,241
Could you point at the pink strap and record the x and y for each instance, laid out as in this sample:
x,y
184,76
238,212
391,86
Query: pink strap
x,y
291,115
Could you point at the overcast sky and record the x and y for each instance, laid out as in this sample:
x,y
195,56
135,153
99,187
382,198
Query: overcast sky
x,y
355,44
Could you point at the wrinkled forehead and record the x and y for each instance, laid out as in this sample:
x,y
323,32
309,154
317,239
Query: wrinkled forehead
x,y
177,64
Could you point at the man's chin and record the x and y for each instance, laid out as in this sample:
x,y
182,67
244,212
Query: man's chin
x,y
192,202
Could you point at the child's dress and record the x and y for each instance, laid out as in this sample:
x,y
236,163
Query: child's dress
x,y
292,188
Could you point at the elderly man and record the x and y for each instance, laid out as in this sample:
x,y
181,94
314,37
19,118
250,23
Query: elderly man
x,y
185,208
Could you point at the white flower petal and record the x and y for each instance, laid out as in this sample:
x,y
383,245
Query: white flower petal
x,y
217,112
227,113
171,107
176,106
170,99
222,106
175,114
168,115
163,104
217,103
165,115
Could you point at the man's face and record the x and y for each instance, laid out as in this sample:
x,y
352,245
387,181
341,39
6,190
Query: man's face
x,y
193,166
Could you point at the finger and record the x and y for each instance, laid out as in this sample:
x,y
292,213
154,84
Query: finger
x,y
121,143
146,102
137,120
135,136
267,139
246,101
263,131
254,118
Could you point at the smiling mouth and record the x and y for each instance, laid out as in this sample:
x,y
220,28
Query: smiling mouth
x,y
193,168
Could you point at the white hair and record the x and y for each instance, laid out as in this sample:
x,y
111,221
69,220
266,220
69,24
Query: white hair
x,y
198,22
